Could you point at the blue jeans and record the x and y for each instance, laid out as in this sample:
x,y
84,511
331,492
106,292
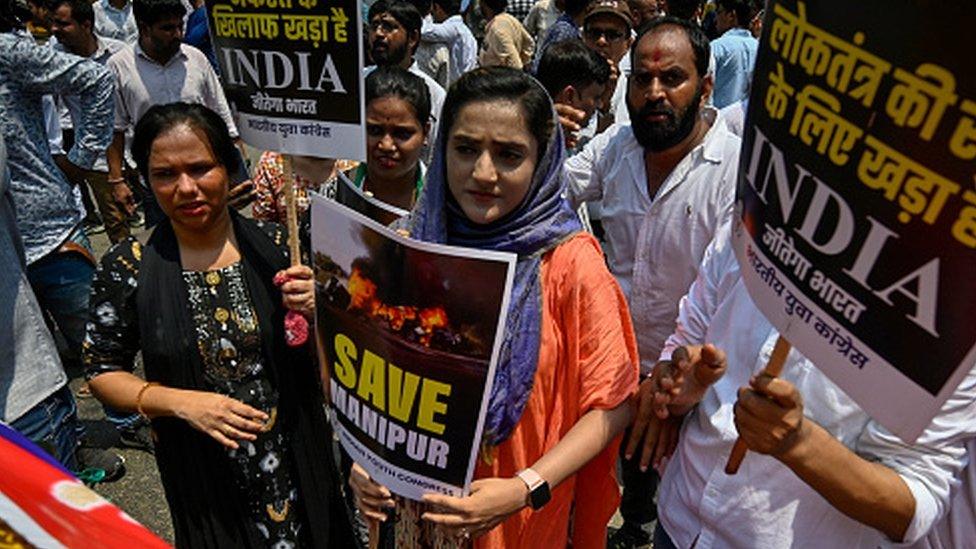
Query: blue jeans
x,y
62,284
52,425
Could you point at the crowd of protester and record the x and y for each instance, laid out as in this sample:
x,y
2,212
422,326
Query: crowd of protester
x,y
598,140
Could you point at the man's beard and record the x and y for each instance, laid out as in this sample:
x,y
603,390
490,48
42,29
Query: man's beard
x,y
663,135
167,49
389,57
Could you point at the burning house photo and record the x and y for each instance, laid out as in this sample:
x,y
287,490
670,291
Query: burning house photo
x,y
449,304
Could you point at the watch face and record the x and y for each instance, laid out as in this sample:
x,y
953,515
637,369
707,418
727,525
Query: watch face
x,y
540,496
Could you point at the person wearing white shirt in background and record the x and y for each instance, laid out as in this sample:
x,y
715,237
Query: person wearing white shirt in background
x,y
161,69
394,34
434,58
114,19
667,182
72,25
820,473
449,27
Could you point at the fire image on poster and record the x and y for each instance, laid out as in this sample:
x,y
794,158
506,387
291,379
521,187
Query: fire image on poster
x,y
856,225
409,334
291,70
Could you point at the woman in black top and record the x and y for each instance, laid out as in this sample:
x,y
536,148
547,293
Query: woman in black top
x,y
242,442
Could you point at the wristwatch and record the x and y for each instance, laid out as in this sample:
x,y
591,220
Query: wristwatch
x,y
538,488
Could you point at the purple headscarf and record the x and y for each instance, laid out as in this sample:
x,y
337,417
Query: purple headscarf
x,y
542,221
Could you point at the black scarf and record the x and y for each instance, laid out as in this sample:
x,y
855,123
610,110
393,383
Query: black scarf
x,y
207,506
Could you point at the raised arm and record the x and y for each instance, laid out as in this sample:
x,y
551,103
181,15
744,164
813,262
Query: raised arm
x,y
56,73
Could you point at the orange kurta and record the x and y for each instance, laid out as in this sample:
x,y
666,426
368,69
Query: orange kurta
x,y
587,360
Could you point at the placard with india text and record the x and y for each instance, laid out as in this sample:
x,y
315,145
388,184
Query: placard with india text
x,y
291,70
856,225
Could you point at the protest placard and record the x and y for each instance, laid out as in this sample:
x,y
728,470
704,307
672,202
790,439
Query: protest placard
x,y
856,204
292,73
351,196
410,334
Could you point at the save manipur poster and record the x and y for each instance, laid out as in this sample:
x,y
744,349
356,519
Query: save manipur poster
x,y
856,226
410,333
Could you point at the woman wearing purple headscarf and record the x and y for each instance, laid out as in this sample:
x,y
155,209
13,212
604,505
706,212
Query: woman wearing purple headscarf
x,y
568,362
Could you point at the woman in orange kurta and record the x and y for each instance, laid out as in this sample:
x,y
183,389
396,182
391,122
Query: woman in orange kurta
x,y
568,363
587,361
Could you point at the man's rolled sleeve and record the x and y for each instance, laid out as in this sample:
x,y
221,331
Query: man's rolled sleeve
x,y
217,101
931,465
93,132
122,119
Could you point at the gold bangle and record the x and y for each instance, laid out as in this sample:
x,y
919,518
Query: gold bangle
x,y
142,391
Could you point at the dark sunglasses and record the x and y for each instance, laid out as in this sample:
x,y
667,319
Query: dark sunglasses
x,y
610,35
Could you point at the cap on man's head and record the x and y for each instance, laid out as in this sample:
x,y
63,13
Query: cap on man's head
x,y
618,8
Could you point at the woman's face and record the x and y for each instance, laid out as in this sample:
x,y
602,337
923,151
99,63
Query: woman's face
x,y
189,183
491,157
394,139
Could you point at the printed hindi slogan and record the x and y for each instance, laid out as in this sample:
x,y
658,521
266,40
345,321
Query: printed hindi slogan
x,y
409,334
292,73
856,226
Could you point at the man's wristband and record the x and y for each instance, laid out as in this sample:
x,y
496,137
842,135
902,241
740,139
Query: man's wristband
x,y
116,180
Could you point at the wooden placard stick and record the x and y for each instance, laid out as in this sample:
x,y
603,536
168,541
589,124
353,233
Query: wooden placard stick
x,y
291,210
296,326
773,369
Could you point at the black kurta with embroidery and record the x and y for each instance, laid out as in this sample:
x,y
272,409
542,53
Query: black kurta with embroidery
x,y
274,491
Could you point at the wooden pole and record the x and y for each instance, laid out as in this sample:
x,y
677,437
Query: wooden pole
x,y
291,210
374,534
773,369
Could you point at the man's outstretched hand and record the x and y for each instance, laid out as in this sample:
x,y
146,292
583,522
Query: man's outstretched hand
x,y
673,388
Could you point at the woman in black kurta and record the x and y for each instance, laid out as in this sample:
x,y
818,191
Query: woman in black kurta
x,y
242,442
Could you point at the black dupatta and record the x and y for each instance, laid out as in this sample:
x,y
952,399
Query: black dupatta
x,y
207,507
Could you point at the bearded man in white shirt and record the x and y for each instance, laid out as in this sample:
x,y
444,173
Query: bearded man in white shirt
x,y
822,472
666,181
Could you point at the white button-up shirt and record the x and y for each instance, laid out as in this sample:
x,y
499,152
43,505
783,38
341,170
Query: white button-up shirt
x,y
455,33
118,24
766,504
654,245
958,528
141,82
